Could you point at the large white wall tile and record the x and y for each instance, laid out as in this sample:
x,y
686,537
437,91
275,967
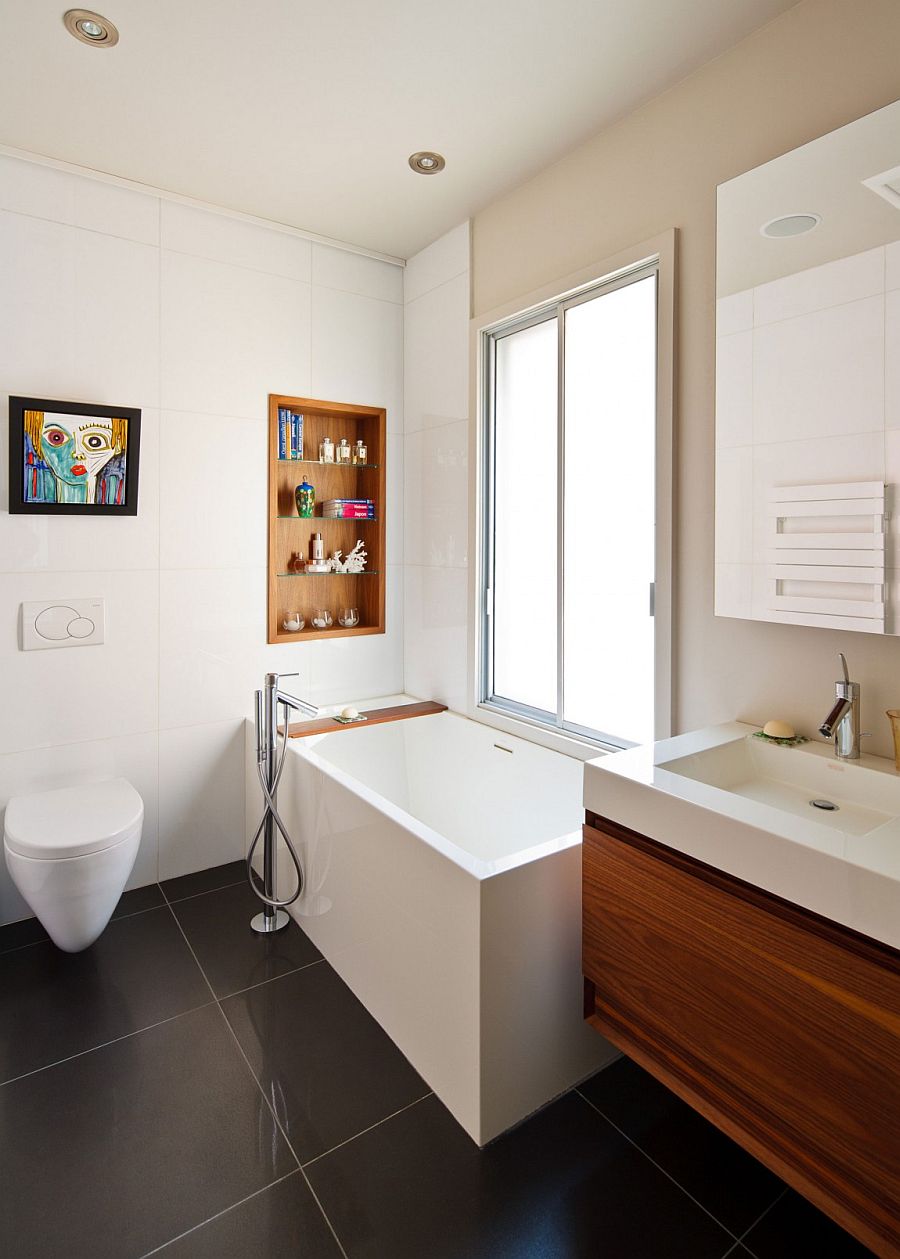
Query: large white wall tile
x,y
437,355
212,491
41,191
892,266
355,273
343,669
832,284
396,461
734,313
46,193
437,495
207,234
734,390
231,336
892,359
80,693
734,584
436,629
372,375
201,797
37,310
820,374
87,543
441,261
734,505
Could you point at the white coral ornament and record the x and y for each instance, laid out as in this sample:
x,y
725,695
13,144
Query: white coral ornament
x,y
355,561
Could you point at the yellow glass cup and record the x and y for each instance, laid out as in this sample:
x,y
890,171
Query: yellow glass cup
x,y
893,715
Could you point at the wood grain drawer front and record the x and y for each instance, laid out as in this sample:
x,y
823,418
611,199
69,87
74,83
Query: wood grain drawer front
x,y
781,1027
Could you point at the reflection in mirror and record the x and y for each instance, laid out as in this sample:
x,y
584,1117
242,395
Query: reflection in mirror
x,y
808,383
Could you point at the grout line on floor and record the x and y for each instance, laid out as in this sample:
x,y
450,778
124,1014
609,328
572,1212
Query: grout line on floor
x,y
371,1128
104,1044
253,1076
271,980
218,1215
658,1166
193,895
135,913
758,1219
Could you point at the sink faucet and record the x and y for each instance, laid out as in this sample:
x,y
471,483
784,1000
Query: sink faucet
x,y
843,720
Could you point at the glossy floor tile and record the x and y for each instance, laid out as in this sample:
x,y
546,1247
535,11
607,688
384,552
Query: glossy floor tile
x,y
55,1004
319,1055
794,1227
30,931
233,957
281,1222
565,1185
203,881
726,1180
118,1150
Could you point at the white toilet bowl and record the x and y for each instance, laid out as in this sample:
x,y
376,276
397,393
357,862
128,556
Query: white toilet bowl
x,y
70,852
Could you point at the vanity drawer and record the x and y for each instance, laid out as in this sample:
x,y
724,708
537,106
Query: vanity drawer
x,y
779,1026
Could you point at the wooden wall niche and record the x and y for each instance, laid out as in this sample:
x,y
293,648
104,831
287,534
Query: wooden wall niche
x,y
289,532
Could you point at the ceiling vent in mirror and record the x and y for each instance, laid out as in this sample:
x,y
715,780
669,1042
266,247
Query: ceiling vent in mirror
x,y
887,185
790,225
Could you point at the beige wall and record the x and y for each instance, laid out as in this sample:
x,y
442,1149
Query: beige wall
x,y
817,67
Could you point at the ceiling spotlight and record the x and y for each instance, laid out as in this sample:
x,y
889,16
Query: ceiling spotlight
x,y
790,225
91,28
426,163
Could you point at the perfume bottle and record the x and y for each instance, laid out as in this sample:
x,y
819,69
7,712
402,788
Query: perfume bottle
x,y
360,452
326,450
305,494
343,451
296,562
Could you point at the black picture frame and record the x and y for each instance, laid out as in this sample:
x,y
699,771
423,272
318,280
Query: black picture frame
x,y
19,504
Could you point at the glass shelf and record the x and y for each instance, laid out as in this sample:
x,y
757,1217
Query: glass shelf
x,y
330,463
344,520
369,572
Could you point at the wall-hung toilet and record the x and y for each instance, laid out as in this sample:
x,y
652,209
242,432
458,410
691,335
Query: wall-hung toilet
x,y
70,852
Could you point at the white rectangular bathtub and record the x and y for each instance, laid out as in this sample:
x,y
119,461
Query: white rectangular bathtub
x,y
443,883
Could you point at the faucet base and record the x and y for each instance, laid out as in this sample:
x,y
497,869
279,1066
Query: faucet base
x,y
266,926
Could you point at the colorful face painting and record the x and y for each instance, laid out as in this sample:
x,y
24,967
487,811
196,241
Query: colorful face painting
x,y
71,458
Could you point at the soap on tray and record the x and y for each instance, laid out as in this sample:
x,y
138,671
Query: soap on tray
x,y
779,730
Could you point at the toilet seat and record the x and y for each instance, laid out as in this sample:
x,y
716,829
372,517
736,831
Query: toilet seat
x,y
73,821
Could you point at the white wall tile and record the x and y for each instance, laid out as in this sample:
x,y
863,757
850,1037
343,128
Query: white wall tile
x,y
201,797
441,261
212,491
832,284
733,590
734,505
355,273
892,266
734,313
344,669
820,374
102,207
437,355
80,693
372,375
396,461
87,543
38,308
892,359
436,629
207,234
437,496
42,191
734,390
230,337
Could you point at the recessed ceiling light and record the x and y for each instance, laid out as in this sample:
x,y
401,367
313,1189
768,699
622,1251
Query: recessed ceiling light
x,y
790,225
426,163
91,28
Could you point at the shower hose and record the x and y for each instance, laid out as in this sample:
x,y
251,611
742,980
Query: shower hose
x,y
270,810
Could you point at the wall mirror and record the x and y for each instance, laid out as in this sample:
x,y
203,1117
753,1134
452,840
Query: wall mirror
x,y
808,384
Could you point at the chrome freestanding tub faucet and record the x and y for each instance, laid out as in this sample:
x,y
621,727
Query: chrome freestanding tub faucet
x,y
842,723
269,764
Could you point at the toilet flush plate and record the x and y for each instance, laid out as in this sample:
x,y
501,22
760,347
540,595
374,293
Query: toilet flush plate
x,y
62,623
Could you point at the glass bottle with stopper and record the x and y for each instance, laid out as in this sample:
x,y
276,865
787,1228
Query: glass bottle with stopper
x,y
360,452
326,450
343,451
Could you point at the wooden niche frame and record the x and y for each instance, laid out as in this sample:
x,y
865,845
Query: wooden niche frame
x,y
290,591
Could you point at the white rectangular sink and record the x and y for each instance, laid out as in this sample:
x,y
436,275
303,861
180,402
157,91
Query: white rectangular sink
x,y
745,806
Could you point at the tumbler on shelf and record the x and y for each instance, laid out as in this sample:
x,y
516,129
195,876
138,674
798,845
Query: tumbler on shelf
x,y
893,715
321,619
348,617
292,622
305,494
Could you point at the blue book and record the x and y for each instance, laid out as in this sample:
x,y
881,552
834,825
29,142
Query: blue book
x,y
282,433
297,435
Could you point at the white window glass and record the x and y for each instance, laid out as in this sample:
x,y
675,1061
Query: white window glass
x,y
524,517
610,439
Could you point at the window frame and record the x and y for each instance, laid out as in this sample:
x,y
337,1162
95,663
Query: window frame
x,y
653,258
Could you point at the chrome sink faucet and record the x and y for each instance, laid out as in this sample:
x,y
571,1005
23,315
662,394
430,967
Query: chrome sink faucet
x,y
843,721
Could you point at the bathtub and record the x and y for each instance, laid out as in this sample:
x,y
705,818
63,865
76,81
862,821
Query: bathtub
x,y
443,883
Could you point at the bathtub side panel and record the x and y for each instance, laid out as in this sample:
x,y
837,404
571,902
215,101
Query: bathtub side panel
x,y
534,1041
397,921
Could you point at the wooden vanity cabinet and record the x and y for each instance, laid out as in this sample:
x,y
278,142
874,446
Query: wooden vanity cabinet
x,y
779,1026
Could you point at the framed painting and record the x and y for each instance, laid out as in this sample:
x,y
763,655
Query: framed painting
x,y
73,457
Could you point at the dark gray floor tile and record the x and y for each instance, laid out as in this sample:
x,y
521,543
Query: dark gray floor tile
x,y
564,1185
117,1151
730,1183
232,956
795,1227
281,1222
54,1004
321,1058
29,931
203,881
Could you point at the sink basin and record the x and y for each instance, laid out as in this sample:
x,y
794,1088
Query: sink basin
x,y
806,781
745,806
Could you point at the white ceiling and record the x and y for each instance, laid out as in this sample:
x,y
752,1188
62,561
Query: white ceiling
x,y
305,111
